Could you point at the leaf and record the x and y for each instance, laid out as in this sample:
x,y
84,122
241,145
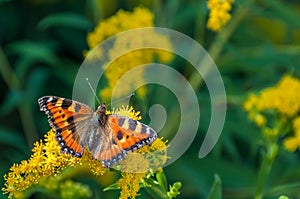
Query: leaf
x,y
154,189
12,138
162,180
29,53
35,83
11,101
285,11
113,186
216,189
71,20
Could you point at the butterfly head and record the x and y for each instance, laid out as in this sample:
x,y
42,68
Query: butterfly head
x,y
101,109
101,114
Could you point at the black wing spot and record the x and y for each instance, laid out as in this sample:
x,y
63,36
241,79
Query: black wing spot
x,y
77,107
53,101
114,142
63,115
120,135
144,129
121,121
70,120
66,103
152,132
132,124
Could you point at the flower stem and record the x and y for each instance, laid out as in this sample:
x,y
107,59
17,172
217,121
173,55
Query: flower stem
x,y
269,157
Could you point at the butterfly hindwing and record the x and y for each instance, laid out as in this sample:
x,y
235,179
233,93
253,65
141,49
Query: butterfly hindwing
x,y
130,134
66,117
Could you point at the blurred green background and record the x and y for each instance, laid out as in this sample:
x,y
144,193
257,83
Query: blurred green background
x,y
42,46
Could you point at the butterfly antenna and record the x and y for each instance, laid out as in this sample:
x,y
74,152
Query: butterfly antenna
x,y
123,98
87,79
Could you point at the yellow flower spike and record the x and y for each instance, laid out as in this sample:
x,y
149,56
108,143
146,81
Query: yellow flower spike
x,y
122,21
279,101
129,184
95,166
45,161
283,97
291,143
258,118
219,13
135,163
127,112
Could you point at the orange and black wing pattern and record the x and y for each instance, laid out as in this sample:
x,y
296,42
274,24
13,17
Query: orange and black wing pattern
x,y
67,117
127,135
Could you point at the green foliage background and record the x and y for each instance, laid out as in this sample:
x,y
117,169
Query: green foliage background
x,y
42,44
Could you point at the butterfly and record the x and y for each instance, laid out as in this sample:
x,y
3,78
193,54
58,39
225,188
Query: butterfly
x,y
109,137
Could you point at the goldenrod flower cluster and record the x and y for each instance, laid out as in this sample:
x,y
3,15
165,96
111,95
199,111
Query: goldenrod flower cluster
x,y
45,161
218,14
137,165
127,112
292,143
49,168
122,21
280,103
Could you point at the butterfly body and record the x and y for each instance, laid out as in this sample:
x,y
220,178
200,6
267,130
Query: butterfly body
x,y
109,137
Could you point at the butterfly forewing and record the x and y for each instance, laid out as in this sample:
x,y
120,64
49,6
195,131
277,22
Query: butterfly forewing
x,y
67,118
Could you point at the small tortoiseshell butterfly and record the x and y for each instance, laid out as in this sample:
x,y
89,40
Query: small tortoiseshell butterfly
x,y
108,137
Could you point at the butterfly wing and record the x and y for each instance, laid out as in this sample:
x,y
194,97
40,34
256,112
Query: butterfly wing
x,y
69,119
125,135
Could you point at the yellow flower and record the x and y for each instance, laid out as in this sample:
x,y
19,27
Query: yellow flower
x,y
291,143
251,102
258,118
282,103
130,184
122,21
283,97
137,164
127,112
45,161
219,13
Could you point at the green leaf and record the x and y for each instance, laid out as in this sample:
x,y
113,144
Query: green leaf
x,y
113,186
162,180
154,189
29,53
11,101
71,20
216,189
12,138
